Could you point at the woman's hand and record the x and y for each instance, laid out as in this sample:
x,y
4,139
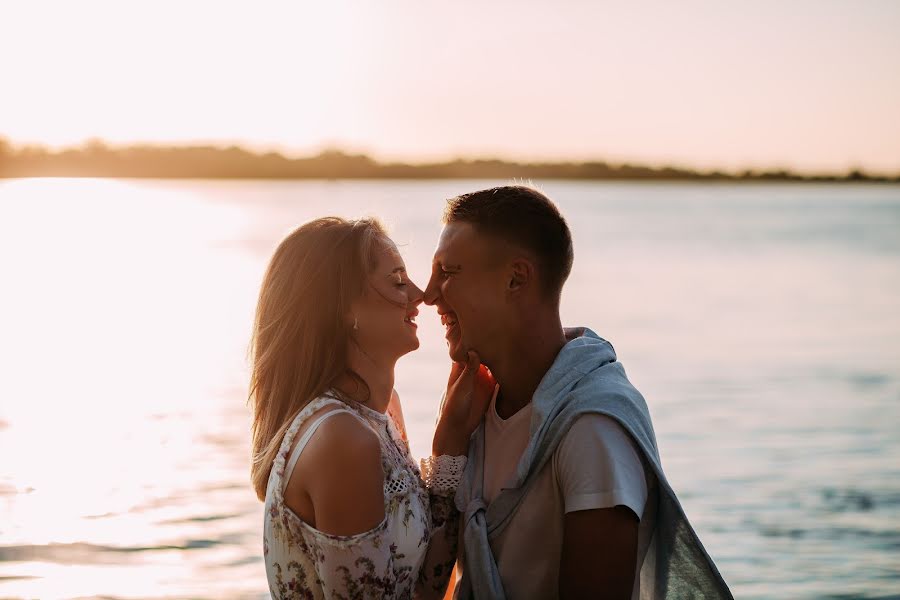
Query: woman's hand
x,y
469,392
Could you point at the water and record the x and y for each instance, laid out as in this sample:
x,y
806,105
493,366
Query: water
x,y
760,321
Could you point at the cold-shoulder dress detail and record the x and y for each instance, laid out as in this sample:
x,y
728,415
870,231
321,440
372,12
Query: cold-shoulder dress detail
x,y
410,554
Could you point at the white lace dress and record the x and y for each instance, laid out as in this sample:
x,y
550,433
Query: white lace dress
x,y
409,554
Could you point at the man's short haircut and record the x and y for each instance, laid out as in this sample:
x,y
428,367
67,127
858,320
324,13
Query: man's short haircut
x,y
525,217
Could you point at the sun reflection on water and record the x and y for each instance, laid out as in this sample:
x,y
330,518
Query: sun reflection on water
x,y
125,311
758,321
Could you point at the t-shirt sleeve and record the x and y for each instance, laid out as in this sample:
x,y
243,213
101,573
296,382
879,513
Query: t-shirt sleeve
x,y
599,466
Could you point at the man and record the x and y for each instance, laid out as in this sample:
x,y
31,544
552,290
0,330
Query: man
x,y
563,494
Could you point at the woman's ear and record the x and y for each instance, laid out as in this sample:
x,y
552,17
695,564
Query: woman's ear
x,y
352,318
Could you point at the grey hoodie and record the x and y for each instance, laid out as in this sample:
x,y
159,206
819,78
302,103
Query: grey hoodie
x,y
584,378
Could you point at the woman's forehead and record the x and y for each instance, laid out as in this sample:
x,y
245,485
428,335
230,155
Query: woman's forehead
x,y
389,256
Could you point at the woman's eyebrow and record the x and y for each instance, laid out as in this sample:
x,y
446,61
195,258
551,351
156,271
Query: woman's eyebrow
x,y
398,270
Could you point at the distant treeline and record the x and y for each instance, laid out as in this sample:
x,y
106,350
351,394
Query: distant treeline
x,y
96,159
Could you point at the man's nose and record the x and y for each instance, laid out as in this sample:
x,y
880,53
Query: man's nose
x,y
431,294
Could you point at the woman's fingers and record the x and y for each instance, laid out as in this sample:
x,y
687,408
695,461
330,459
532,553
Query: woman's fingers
x,y
470,365
456,369
484,386
461,387
485,378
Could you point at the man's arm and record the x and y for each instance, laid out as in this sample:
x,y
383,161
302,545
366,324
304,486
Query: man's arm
x,y
599,554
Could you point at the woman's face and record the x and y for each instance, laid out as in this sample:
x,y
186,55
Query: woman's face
x,y
385,315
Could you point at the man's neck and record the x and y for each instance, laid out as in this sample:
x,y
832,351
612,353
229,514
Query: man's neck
x,y
528,355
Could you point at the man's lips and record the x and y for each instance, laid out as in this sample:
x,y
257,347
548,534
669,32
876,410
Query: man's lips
x,y
450,322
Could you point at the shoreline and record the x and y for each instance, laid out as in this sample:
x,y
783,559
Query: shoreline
x,y
212,162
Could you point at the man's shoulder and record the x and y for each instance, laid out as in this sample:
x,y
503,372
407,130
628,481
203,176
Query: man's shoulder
x,y
593,437
593,425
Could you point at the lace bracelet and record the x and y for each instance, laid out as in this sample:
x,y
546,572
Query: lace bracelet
x,y
443,473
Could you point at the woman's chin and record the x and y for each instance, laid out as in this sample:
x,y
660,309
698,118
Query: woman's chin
x,y
412,344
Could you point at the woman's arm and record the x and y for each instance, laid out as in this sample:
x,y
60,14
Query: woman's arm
x,y
441,476
469,390
342,475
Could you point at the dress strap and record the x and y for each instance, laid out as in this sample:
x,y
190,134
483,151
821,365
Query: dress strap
x,y
307,435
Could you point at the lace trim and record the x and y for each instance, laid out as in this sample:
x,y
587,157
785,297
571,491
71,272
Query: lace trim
x,y
443,473
397,484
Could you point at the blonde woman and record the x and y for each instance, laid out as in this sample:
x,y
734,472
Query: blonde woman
x,y
348,512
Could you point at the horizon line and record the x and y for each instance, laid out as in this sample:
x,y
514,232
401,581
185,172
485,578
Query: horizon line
x,y
99,145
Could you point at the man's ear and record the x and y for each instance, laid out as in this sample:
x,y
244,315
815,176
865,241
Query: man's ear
x,y
521,274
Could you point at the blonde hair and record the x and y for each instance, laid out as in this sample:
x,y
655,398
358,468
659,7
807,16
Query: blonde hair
x,y
301,333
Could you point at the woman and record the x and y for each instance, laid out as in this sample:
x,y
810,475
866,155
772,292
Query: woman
x,y
349,514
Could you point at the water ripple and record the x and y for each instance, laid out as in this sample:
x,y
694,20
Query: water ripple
x,y
84,553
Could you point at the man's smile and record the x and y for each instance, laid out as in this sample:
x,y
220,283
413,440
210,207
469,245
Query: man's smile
x,y
450,323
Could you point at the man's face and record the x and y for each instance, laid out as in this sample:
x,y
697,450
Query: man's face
x,y
468,288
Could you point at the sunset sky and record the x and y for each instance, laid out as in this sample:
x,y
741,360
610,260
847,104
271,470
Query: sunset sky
x,y
809,85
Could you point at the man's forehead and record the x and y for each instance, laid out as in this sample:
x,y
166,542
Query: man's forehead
x,y
464,242
454,237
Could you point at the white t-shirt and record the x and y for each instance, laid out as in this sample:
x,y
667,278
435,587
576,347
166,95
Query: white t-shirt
x,y
596,465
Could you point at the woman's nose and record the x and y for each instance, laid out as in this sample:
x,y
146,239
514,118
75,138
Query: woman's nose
x,y
415,294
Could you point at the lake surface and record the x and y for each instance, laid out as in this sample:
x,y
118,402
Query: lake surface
x,y
761,322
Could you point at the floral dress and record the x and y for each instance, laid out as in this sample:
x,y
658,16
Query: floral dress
x,y
410,554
